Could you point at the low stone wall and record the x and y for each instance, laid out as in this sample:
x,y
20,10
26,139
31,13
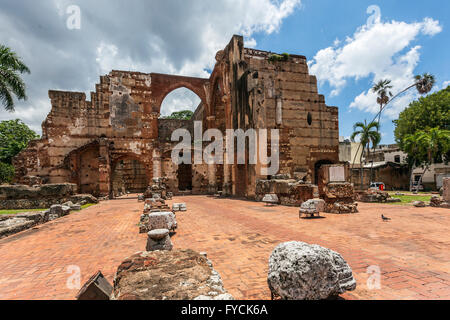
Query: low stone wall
x,y
11,224
40,196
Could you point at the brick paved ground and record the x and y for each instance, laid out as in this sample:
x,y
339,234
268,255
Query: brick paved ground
x,y
412,250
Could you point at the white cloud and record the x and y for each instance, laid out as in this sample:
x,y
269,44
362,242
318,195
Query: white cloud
x,y
379,52
431,27
445,84
176,37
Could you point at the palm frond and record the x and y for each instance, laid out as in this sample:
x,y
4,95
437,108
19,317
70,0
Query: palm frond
x,y
6,98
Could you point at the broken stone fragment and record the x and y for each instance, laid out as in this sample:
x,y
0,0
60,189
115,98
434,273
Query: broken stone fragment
x,y
56,210
159,239
179,207
300,271
270,199
419,204
312,207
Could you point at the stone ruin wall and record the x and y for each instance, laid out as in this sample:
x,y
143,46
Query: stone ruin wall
x,y
83,141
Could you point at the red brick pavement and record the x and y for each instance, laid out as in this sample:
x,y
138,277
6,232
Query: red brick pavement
x,y
411,250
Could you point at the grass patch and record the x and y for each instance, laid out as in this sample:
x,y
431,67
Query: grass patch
x,y
87,205
407,199
36,210
20,211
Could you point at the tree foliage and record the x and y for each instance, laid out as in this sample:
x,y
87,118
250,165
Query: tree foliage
x,y
181,115
6,172
428,115
14,137
11,83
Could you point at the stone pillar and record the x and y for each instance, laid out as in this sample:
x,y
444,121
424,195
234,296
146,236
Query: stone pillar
x,y
211,176
226,188
279,111
446,187
157,164
104,168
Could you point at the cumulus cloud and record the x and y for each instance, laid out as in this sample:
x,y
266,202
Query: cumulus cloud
x,y
381,51
172,36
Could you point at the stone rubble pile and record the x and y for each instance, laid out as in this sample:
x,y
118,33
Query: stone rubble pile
x,y
290,192
376,196
14,197
13,223
339,198
168,275
155,205
158,190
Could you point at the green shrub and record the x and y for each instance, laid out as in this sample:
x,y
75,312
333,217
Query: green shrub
x,y
6,173
278,57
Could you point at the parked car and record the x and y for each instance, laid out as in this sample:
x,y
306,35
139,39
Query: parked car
x,y
378,185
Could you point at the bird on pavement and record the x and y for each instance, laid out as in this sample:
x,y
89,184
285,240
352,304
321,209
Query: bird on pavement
x,y
385,218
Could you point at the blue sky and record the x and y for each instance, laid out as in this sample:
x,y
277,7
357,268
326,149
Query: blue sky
x,y
318,23
345,52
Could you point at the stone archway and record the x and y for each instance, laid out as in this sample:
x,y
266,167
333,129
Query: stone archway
x,y
163,84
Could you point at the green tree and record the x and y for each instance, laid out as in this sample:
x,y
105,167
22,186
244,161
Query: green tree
x,y
368,134
180,115
14,137
6,172
11,83
423,114
427,147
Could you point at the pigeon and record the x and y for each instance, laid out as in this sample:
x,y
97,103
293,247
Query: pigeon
x,y
385,218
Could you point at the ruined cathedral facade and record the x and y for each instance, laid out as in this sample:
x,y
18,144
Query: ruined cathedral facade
x,y
117,141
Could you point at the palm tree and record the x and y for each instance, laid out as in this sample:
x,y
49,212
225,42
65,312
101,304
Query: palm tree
x,y
423,83
11,83
367,136
382,88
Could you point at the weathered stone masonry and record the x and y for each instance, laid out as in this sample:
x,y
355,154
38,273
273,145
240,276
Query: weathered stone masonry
x,y
105,144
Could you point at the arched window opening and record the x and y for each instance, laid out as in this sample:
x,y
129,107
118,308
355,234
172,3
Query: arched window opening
x,y
179,104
